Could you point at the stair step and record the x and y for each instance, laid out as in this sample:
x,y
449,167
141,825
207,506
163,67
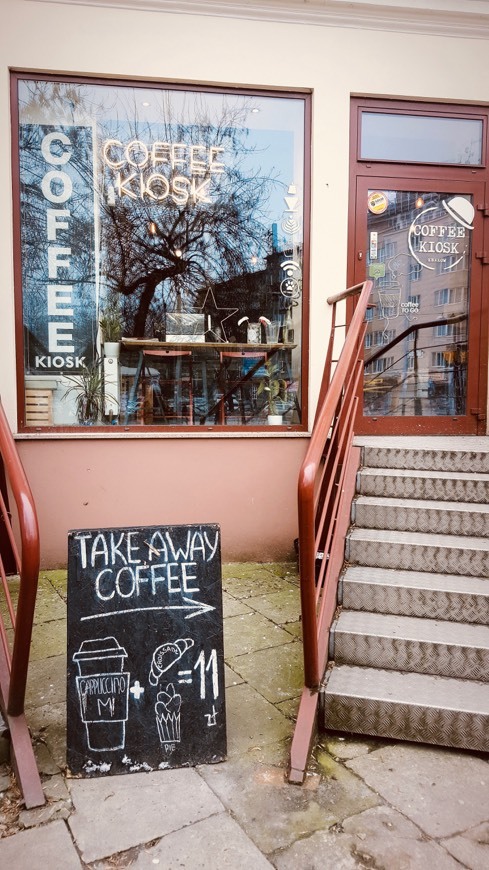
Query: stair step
x,y
418,707
415,515
444,554
415,593
467,453
427,485
410,647
405,643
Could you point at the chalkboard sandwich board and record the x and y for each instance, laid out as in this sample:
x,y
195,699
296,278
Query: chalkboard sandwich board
x,y
145,686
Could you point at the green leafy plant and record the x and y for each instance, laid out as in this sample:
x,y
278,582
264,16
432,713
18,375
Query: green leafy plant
x,y
111,322
88,388
273,386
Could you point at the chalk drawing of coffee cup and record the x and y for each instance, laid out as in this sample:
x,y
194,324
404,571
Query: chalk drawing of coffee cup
x,y
166,655
167,710
103,692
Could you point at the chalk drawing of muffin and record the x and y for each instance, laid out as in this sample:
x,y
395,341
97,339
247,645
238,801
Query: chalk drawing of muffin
x,y
167,710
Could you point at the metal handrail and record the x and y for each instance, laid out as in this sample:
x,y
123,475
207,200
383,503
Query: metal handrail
x,y
326,486
14,662
415,327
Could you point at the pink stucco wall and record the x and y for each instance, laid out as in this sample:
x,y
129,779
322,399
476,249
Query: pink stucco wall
x,y
247,485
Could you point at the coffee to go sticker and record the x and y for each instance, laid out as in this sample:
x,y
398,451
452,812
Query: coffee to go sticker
x,y
377,202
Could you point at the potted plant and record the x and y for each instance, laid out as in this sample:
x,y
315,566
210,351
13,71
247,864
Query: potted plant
x,y
88,388
275,388
111,324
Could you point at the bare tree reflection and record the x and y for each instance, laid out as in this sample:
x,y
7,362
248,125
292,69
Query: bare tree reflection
x,y
156,249
156,253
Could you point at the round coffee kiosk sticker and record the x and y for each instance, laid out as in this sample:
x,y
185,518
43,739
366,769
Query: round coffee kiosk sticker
x,y
441,236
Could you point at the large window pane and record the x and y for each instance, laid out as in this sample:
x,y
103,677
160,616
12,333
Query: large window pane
x,y
161,248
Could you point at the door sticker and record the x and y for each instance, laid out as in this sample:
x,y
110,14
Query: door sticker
x,y
377,202
442,240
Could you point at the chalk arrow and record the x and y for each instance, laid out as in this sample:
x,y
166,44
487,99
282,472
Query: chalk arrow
x,y
197,606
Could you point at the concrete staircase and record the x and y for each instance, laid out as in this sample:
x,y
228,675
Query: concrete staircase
x,y
410,647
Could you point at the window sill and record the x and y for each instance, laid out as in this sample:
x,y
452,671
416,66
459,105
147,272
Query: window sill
x,y
128,436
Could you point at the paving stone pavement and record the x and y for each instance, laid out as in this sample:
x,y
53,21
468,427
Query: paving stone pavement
x,y
366,803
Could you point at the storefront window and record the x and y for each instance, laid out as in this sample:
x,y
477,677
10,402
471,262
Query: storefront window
x,y
161,247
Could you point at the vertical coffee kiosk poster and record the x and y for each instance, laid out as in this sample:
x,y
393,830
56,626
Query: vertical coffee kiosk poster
x,y
145,670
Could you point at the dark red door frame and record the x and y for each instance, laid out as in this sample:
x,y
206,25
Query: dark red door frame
x,y
461,179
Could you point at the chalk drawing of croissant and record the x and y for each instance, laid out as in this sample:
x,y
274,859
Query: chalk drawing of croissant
x,y
166,655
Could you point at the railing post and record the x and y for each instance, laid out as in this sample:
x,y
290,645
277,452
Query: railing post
x,y
13,670
307,571
326,481
8,555
326,378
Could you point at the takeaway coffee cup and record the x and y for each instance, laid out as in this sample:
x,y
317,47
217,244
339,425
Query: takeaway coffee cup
x,y
103,692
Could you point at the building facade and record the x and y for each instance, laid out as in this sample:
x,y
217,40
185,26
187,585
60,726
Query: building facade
x,y
190,182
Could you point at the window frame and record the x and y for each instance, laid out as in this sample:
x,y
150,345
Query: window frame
x,y
303,95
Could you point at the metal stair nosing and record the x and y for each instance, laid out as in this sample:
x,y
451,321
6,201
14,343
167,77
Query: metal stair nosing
x,y
411,644
450,597
471,456
419,515
450,554
418,707
422,484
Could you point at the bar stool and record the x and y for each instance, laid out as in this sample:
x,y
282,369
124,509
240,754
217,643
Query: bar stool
x,y
237,380
168,394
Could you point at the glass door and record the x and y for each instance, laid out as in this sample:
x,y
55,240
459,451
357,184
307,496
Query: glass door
x,y
424,254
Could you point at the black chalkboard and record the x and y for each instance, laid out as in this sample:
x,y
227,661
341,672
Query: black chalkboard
x,y
145,686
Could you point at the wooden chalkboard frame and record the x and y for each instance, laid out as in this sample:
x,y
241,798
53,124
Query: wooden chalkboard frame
x,y
145,672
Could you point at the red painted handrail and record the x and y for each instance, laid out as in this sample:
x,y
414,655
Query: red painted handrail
x,y
14,661
326,486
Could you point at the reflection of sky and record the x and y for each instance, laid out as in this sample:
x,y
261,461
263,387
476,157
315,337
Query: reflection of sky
x,y
271,128
275,131
269,154
274,155
421,139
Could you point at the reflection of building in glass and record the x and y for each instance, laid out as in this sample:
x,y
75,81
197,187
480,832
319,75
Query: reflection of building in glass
x,y
214,382
181,214
420,311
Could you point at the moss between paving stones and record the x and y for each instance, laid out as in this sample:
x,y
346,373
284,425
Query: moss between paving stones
x,y
275,814
251,632
252,722
48,639
282,607
276,673
294,628
58,580
246,570
233,606
262,583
